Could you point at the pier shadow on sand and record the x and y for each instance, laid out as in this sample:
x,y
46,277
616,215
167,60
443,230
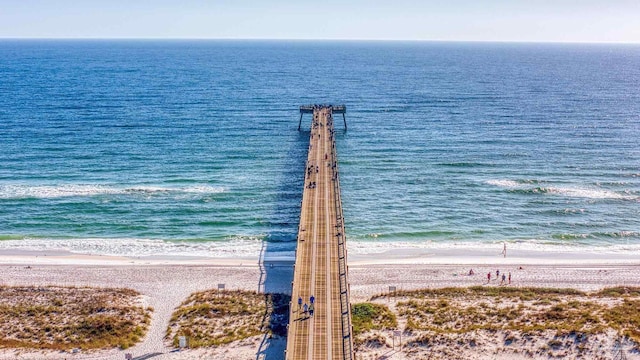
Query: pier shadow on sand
x,y
276,256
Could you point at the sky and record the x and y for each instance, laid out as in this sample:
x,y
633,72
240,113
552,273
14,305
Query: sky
x,y
443,20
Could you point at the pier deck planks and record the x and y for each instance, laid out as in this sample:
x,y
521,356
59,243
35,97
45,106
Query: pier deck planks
x,y
320,268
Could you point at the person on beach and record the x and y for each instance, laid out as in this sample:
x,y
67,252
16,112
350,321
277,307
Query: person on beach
x,y
497,274
471,272
509,277
488,277
299,302
503,279
504,250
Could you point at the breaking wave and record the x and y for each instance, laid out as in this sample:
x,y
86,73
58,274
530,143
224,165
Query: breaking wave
x,y
21,191
533,187
232,247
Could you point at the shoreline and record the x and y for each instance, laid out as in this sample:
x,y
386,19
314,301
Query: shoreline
x,y
399,256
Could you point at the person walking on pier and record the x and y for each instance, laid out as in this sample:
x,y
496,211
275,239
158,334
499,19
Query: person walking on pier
x,y
305,308
299,302
312,299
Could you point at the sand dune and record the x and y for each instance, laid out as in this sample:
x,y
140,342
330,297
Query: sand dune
x,y
166,283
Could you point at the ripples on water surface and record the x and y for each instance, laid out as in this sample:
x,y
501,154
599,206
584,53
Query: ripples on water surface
x,y
190,147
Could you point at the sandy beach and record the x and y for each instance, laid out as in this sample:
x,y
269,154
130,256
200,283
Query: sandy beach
x,y
166,282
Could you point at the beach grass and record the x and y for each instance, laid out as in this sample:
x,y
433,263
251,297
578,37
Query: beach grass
x,y
371,316
461,310
552,321
213,318
62,318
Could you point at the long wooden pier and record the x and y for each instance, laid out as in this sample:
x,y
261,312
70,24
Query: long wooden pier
x,y
324,331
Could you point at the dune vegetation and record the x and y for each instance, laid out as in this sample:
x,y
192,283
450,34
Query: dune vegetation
x,y
62,318
532,322
447,323
213,318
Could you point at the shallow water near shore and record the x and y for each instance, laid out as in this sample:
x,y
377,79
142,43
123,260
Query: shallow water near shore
x,y
191,148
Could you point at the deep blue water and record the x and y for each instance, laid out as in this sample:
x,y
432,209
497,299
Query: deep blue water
x,y
191,147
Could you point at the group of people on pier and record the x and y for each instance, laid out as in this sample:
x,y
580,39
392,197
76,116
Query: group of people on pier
x,y
307,308
330,161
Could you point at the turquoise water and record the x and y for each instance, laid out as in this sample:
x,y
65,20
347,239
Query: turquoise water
x,y
192,148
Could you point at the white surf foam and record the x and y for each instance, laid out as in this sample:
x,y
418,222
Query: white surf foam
x,y
587,193
504,183
22,191
237,247
467,247
254,247
577,191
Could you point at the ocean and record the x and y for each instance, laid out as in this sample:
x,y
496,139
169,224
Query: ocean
x,y
191,148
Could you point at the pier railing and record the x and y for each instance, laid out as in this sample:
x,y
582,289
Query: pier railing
x,y
347,330
330,334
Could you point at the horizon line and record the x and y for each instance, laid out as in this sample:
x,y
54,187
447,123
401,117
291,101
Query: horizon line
x,y
328,40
